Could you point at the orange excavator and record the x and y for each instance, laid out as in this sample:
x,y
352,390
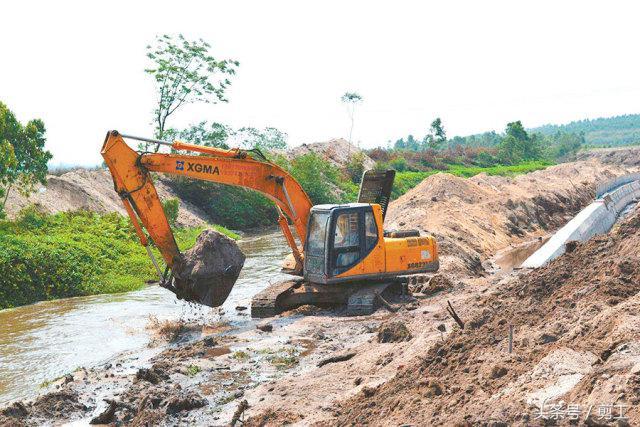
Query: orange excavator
x,y
342,255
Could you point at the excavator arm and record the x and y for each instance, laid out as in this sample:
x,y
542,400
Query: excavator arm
x,y
131,173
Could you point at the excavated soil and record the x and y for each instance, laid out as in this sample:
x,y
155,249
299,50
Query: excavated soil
x,y
576,342
207,272
627,156
473,218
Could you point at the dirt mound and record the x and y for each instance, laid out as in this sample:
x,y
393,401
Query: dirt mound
x,y
336,151
56,405
93,190
207,272
628,156
393,332
576,329
473,218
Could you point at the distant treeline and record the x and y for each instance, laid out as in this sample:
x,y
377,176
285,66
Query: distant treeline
x,y
610,131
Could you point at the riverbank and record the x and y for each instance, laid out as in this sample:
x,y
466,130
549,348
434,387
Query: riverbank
x,y
45,257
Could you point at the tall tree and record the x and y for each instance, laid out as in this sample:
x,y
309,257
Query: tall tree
x,y
23,159
351,99
186,72
207,134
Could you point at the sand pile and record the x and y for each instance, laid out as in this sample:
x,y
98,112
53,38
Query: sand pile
x,y
207,272
337,151
576,342
473,218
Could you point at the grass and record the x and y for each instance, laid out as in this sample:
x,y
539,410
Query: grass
x,y
192,370
45,257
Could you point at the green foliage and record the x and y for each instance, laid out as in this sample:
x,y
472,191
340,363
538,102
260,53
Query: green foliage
x,y
604,132
207,134
233,207
355,167
44,257
436,136
267,139
518,145
171,208
501,170
23,159
186,72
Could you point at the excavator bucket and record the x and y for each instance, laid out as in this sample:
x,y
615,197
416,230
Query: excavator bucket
x,y
207,272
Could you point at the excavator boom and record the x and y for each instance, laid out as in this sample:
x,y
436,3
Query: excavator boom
x,y
132,179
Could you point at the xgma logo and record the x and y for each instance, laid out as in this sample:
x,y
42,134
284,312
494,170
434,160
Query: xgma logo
x,y
197,167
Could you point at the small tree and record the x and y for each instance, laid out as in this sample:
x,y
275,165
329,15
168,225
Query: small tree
x,y
437,136
351,99
23,159
185,72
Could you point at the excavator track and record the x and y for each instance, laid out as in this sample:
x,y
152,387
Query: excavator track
x,y
266,302
358,297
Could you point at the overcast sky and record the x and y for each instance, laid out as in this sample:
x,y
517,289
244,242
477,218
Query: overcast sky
x,y
476,64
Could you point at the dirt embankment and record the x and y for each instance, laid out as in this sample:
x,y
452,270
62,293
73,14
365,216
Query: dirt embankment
x,y
92,190
576,342
337,151
473,218
626,156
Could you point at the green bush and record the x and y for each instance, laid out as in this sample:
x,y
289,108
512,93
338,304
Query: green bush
x,y
45,257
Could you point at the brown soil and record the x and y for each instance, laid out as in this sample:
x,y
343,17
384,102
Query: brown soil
x,y
577,339
473,218
93,190
627,156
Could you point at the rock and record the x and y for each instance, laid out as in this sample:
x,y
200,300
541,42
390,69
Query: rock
x,y
240,308
357,381
265,327
185,403
393,332
207,272
498,371
209,342
107,415
546,338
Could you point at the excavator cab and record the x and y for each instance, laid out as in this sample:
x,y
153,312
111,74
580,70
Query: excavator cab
x,y
339,238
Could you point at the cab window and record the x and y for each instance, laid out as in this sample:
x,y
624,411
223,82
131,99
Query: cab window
x,y
346,230
346,241
317,230
371,230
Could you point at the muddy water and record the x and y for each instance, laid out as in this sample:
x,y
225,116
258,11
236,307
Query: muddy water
x,y
43,341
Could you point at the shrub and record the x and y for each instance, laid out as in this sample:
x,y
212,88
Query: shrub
x,y
44,257
171,208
